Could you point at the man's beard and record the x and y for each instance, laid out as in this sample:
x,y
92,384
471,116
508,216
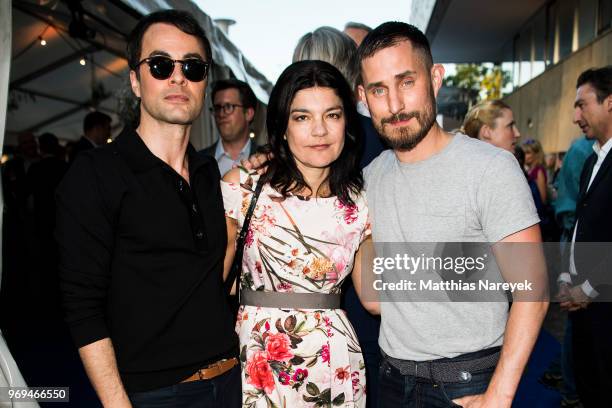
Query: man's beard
x,y
167,116
404,138
234,134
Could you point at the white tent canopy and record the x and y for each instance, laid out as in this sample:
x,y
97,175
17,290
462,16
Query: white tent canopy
x,y
50,90
9,373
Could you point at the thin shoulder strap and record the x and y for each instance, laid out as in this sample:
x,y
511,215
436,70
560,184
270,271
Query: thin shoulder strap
x,y
237,263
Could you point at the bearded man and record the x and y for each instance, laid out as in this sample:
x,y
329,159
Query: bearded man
x,y
438,187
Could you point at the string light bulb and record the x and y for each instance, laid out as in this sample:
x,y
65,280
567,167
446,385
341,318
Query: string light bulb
x,y
82,62
43,42
252,135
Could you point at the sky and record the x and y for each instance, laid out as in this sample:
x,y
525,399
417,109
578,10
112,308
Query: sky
x,y
267,31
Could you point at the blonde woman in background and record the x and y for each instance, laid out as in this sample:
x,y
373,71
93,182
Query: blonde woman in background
x,y
492,122
534,161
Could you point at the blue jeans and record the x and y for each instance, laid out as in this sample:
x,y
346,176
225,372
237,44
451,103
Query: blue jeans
x,y
407,391
222,391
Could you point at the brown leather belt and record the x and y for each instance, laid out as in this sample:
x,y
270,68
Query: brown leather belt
x,y
213,370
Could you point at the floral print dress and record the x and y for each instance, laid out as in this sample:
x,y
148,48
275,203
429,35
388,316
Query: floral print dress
x,y
297,357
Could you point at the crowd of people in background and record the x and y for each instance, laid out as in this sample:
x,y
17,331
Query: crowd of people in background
x,y
493,122
556,181
31,172
34,169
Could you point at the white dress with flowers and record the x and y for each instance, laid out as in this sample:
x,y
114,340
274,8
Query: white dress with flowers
x,y
297,358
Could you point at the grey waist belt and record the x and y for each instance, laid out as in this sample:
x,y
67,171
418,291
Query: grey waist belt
x,y
445,370
284,300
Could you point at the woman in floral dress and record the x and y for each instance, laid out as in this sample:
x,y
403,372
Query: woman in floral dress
x,y
308,224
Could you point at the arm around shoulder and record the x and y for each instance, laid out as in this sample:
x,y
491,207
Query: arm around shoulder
x,y
231,198
232,176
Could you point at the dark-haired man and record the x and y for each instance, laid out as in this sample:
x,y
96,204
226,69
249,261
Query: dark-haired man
x,y
96,131
234,105
142,239
589,292
439,187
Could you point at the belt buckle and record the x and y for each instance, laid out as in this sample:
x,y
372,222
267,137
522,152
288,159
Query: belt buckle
x,y
215,365
465,376
219,364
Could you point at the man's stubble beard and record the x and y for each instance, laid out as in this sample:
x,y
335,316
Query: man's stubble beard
x,y
241,134
161,115
405,139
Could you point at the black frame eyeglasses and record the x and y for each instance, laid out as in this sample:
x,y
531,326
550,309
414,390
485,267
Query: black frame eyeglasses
x,y
226,108
162,67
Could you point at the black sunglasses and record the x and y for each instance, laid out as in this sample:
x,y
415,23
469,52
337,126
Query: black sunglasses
x,y
161,67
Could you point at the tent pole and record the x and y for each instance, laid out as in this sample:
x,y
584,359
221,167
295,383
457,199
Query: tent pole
x,y
9,372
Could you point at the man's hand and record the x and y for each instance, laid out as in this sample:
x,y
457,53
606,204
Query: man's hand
x,y
479,400
575,300
101,367
470,401
578,295
257,162
564,292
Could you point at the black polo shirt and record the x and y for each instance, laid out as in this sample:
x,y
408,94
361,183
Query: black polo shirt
x,y
142,259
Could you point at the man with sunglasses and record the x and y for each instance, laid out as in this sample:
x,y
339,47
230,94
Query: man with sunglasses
x,y
142,238
234,105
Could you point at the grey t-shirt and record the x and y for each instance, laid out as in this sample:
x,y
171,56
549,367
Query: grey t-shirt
x,y
470,191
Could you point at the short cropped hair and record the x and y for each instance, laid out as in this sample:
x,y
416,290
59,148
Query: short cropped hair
x,y
247,96
391,33
332,46
357,26
182,20
95,119
600,79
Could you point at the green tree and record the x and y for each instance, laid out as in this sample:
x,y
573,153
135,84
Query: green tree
x,y
480,81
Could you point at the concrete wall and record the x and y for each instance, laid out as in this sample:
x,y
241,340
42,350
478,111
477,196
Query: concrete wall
x,y
548,99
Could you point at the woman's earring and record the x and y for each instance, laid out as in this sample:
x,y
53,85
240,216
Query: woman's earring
x,y
284,137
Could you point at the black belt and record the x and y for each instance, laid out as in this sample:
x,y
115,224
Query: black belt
x,y
457,369
288,300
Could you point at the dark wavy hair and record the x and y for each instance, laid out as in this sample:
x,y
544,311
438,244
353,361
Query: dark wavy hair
x,y
345,180
182,20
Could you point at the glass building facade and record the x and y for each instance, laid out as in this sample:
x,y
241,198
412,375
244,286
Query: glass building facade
x,y
555,31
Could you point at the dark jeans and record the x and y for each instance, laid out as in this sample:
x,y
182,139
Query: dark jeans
x,y
592,337
224,391
407,391
567,364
